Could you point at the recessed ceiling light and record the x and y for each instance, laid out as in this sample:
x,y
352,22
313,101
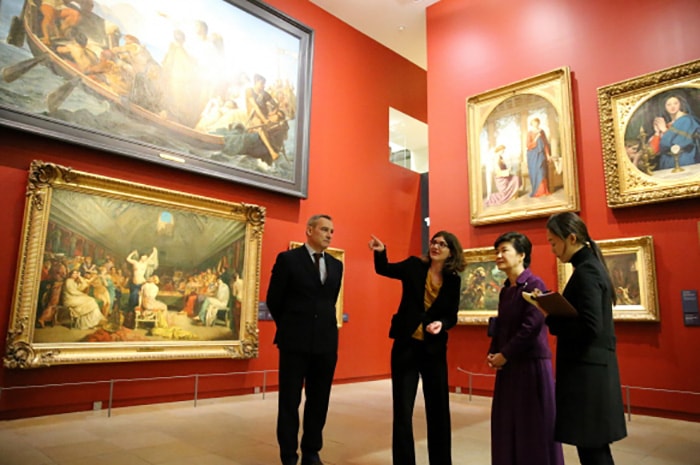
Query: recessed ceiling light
x,y
402,28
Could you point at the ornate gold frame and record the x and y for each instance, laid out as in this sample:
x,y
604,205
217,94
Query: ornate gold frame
x,y
550,91
340,255
638,254
223,225
481,284
622,108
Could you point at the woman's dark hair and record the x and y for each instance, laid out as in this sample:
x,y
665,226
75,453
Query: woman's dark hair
x,y
563,225
520,242
684,105
455,262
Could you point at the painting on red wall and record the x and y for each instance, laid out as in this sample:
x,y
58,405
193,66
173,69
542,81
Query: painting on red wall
x,y
650,127
481,284
114,271
632,268
217,87
522,160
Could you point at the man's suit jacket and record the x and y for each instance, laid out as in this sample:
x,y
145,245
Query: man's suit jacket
x,y
304,308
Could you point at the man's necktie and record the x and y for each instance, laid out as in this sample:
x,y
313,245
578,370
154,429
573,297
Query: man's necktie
x,y
317,262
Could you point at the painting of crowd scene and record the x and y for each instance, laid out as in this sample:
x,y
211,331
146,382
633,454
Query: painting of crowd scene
x,y
481,285
208,85
115,270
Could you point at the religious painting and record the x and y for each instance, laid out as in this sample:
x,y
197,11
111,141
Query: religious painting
x,y
217,87
481,286
113,271
522,153
650,129
340,255
632,268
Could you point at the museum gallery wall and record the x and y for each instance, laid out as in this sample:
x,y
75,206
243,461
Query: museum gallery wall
x,y
380,79
468,55
476,47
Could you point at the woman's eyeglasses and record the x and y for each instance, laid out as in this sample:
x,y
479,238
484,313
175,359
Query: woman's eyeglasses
x,y
440,244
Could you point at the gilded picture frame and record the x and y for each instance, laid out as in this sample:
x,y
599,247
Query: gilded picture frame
x,y
223,89
113,271
633,271
522,150
650,130
340,255
481,285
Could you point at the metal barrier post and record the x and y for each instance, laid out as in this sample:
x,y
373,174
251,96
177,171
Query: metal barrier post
x,y
196,388
470,387
264,386
629,404
111,396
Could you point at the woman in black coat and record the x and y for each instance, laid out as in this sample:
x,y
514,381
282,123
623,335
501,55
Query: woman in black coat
x,y
590,413
428,308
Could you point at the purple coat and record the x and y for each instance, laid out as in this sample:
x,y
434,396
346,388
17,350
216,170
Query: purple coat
x,y
523,408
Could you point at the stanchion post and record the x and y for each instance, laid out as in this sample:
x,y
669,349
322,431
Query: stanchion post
x,y
196,388
470,386
111,396
264,386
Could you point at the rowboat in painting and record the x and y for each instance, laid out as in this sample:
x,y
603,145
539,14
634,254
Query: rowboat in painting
x,y
27,27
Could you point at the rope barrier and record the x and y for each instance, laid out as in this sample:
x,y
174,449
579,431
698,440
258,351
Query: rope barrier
x,y
627,389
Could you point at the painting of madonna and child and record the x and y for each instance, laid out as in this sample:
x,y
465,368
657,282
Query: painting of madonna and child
x,y
214,86
120,271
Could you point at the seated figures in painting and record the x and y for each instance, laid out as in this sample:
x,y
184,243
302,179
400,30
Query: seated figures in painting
x,y
265,142
506,184
84,310
78,52
150,306
212,304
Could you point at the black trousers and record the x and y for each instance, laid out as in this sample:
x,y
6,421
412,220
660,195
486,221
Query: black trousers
x,y
314,374
595,455
410,361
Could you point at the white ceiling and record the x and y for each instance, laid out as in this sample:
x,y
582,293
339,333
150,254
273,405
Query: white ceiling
x,y
400,26
396,24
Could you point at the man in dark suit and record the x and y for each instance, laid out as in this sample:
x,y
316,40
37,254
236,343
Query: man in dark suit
x,y
303,290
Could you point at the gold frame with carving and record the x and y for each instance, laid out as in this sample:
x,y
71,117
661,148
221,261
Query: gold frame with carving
x,y
89,207
547,98
481,285
627,110
340,255
633,257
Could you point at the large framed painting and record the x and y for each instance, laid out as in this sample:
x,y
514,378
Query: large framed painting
x,y
219,87
650,129
481,285
340,255
522,153
632,268
113,271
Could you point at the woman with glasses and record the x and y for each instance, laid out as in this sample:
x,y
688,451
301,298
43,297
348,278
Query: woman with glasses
x,y
428,308
522,411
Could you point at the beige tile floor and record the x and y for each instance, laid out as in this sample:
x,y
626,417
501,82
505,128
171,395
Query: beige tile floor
x,y
241,431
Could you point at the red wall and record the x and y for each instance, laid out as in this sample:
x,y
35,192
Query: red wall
x,y
355,81
478,45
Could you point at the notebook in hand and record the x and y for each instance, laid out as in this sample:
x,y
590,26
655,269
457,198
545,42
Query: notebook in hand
x,y
552,303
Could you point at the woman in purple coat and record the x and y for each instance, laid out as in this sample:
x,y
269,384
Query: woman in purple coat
x,y
522,411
